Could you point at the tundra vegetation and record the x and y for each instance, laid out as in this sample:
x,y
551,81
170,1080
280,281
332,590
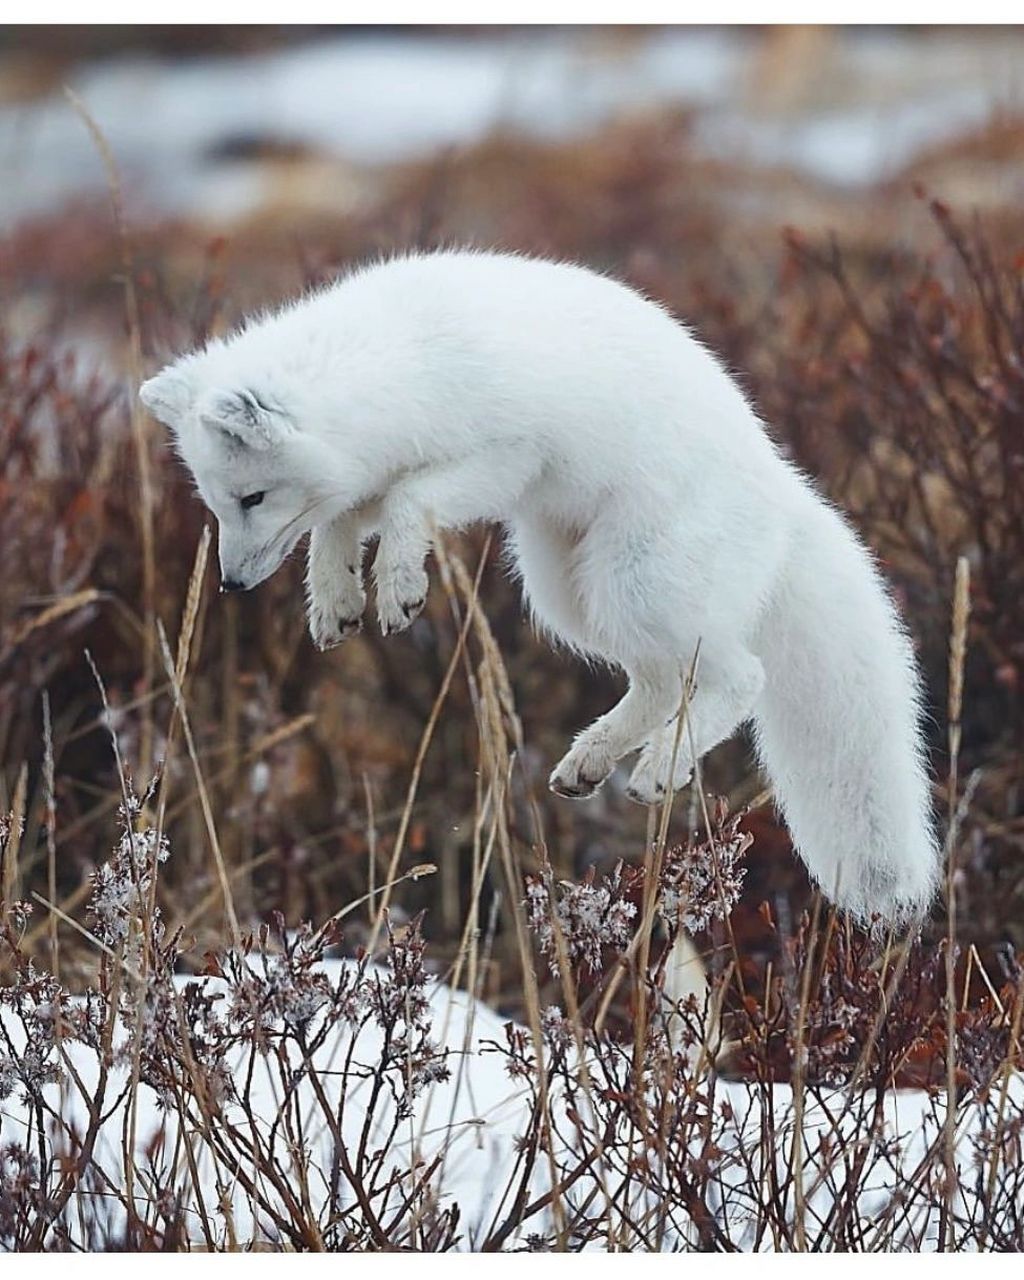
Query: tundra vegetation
x,y
305,845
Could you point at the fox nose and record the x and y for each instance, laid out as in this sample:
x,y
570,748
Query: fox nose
x,y
231,584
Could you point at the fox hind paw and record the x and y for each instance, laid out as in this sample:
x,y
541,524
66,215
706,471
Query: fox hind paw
x,y
581,771
649,782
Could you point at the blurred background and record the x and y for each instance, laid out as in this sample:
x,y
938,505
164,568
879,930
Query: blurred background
x,y
837,211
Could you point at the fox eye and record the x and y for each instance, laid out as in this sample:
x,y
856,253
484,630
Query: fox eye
x,y
253,499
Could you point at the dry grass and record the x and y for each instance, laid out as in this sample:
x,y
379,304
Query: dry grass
x,y
284,1127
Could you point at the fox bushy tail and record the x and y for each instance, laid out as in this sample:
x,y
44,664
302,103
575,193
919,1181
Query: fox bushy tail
x,y
838,726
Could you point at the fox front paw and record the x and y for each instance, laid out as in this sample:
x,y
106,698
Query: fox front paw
x,y
335,616
582,770
401,596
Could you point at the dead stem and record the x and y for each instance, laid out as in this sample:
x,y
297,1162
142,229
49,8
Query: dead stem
x,y
957,657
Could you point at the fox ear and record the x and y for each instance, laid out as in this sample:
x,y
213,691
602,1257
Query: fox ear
x,y
243,418
167,397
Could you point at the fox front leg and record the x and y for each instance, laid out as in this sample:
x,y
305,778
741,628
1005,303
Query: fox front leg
x,y
398,568
451,495
334,581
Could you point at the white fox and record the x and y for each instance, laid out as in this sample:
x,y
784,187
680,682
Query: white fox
x,y
648,515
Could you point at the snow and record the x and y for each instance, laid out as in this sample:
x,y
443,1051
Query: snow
x,y
376,99
474,1118
474,1115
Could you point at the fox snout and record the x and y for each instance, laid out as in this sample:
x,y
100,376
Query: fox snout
x,y
244,564
239,561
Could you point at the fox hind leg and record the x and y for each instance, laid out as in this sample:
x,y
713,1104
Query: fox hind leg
x,y
652,694
613,573
726,694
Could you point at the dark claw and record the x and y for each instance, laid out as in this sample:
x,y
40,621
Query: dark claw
x,y
582,788
413,608
568,792
349,626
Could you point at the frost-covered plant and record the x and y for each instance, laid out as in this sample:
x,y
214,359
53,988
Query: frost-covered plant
x,y
591,916
556,1029
701,881
278,988
21,1195
639,1148
122,888
35,999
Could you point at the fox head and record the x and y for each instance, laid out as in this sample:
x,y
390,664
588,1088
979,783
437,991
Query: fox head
x,y
258,473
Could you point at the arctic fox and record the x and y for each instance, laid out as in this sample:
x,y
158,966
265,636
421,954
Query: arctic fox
x,y
648,513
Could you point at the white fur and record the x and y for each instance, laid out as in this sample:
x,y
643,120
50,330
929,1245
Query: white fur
x,y
647,511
